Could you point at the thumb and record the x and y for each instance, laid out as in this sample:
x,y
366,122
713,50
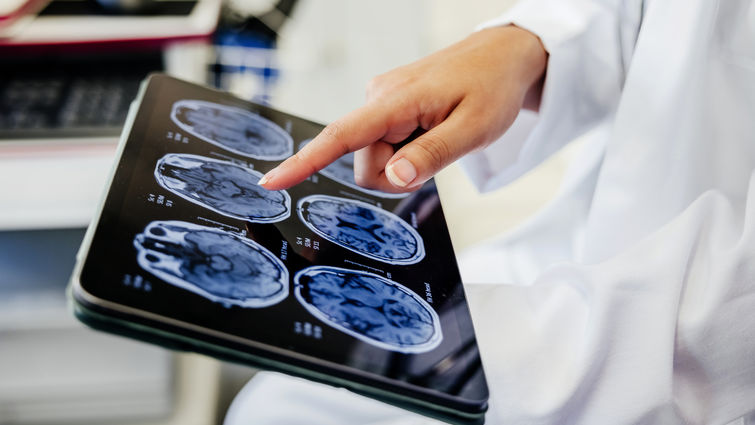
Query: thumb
x,y
429,153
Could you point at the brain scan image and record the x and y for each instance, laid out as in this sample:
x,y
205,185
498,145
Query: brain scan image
x,y
362,228
223,187
369,307
342,171
210,262
234,129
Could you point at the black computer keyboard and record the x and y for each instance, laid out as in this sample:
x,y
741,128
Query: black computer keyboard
x,y
87,95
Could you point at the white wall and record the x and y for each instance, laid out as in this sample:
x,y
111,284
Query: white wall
x,y
450,20
331,48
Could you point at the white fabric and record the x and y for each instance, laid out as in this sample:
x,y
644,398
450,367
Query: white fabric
x,y
271,398
631,298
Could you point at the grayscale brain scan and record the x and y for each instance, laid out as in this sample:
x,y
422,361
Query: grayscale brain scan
x,y
221,186
237,130
213,263
342,171
362,228
374,309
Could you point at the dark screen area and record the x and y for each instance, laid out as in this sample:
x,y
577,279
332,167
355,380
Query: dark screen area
x,y
340,300
62,96
92,7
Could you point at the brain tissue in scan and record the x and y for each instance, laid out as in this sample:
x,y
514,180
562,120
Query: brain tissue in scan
x,y
223,187
210,262
342,171
234,129
362,228
376,310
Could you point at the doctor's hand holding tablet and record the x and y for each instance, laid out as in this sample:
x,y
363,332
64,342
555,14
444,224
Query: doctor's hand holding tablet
x,y
464,97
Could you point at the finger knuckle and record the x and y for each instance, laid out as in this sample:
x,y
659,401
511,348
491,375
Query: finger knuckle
x,y
359,178
333,131
390,85
374,85
434,150
362,179
305,164
366,180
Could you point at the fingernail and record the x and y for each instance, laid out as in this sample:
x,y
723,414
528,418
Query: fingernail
x,y
265,178
401,172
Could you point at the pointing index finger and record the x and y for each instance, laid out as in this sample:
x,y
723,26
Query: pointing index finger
x,y
354,131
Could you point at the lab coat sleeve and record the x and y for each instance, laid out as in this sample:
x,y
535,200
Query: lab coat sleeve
x,y
588,43
661,333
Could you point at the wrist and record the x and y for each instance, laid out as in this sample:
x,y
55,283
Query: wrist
x,y
535,62
525,56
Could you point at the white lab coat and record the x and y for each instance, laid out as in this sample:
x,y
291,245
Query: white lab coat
x,y
631,297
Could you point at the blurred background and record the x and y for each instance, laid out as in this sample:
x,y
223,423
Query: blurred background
x,y
68,72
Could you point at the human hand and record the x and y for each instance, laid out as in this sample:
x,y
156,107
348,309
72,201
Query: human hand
x,y
464,96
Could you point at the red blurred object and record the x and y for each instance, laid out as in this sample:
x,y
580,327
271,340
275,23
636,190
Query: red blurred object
x,y
74,25
11,11
14,14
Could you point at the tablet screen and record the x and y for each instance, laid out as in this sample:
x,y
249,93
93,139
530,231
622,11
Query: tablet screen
x,y
325,269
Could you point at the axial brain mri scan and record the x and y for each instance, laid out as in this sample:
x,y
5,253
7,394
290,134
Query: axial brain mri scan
x,y
362,228
342,171
223,187
369,307
234,129
213,263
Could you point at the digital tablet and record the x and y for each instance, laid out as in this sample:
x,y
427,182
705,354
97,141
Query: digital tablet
x,y
326,280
